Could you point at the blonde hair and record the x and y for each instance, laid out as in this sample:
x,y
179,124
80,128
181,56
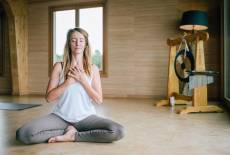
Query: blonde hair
x,y
67,58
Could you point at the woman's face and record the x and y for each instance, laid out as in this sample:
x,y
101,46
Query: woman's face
x,y
77,42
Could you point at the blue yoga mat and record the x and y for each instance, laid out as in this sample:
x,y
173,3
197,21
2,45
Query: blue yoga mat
x,y
16,106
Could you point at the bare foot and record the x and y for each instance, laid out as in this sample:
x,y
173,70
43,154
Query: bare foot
x,y
69,136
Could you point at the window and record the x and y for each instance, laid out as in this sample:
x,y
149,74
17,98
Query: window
x,y
63,21
87,17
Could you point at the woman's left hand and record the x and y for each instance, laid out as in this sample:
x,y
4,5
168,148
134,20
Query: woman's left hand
x,y
77,74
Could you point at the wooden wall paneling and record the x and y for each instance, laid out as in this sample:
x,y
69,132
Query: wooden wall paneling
x,y
137,49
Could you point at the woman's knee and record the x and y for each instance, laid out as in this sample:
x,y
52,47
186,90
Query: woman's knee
x,y
24,135
120,132
117,132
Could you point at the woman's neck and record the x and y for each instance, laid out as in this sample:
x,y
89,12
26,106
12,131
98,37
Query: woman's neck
x,y
77,60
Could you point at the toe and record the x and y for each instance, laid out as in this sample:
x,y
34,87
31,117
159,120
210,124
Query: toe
x,y
51,140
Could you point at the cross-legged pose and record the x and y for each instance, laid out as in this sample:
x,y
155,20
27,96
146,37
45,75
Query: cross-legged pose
x,y
76,85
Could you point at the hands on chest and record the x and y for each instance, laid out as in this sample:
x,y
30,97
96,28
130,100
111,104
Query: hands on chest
x,y
76,74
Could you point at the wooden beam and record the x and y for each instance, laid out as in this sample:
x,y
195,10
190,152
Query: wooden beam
x,y
190,38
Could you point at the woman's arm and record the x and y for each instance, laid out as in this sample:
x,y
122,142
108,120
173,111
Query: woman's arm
x,y
54,90
94,90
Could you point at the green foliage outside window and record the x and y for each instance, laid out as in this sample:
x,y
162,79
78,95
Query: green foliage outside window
x,y
97,59
58,58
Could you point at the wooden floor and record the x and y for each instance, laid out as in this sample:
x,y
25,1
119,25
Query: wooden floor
x,y
148,130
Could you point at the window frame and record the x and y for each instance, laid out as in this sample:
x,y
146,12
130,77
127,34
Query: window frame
x,y
76,7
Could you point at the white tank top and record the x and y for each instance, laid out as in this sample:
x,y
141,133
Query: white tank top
x,y
74,104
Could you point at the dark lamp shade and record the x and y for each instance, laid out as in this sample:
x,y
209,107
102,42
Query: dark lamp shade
x,y
194,20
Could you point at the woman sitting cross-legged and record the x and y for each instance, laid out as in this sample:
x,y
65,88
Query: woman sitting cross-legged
x,y
75,84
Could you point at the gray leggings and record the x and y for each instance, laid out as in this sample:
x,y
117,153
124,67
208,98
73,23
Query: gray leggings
x,y
90,129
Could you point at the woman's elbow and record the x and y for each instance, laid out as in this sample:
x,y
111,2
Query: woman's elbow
x,y
48,99
98,100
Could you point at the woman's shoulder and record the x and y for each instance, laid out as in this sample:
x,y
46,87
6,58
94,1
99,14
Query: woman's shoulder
x,y
59,63
58,66
95,69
